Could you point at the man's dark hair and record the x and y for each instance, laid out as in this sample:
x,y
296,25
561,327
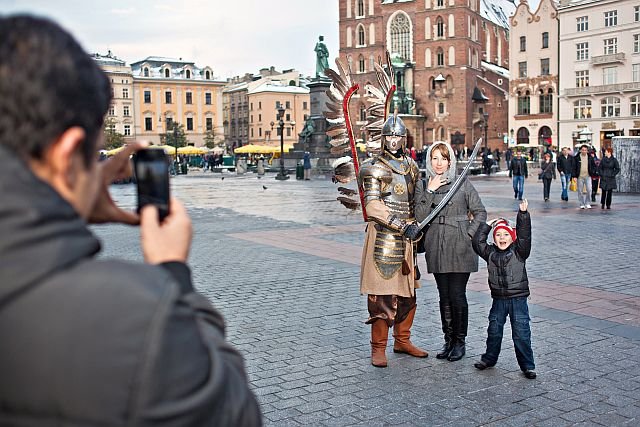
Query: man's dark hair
x,y
48,84
584,146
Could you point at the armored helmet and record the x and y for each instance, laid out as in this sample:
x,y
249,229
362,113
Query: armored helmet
x,y
394,126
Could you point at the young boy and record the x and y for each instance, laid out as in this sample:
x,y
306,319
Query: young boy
x,y
509,287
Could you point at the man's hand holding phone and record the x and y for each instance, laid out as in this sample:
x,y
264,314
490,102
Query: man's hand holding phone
x,y
169,240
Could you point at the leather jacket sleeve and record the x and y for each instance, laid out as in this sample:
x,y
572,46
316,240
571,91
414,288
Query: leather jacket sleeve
x,y
523,231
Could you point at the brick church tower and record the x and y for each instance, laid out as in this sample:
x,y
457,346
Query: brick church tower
x,y
442,50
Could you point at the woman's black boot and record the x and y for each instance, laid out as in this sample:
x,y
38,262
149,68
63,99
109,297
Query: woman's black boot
x,y
460,323
447,328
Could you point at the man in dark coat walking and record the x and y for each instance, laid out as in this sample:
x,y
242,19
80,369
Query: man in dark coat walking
x,y
87,341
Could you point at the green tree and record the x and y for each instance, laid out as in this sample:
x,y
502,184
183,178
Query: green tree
x,y
112,138
174,138
209,140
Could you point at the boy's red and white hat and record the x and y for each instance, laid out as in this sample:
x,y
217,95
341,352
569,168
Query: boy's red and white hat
x,y
504,225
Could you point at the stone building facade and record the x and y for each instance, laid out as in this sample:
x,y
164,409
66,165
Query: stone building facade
x,y
441,50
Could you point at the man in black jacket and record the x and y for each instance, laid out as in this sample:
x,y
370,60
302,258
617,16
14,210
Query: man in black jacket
x,y
88,341
518,170
565,167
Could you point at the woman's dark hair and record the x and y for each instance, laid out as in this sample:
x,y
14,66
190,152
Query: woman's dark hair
x,y
48,84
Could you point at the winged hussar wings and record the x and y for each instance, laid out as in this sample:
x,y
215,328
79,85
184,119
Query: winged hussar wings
x,y
341,84
379,102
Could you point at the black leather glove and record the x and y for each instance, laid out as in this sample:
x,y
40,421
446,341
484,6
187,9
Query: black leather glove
x,y
411,231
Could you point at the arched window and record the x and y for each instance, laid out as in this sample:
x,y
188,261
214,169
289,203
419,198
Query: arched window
x,y
361,35
635,105
441,134
207,75
524,103
349,37
427,28
441,108
427,58
452,55
166,73
363,113
440,57
546,101
372,61
188,74
360,8
523,136
610,107
146,71
400,36
372,33
452,26
544,136
361,65
439,27
440,3
582,109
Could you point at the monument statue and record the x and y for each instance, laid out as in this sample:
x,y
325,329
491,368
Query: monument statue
x,y
322,57
308,130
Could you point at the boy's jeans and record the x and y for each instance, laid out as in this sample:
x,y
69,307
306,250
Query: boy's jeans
x,y
518,312
518,186
584,185
565,179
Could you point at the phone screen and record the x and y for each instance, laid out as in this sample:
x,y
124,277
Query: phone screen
x,y
152,177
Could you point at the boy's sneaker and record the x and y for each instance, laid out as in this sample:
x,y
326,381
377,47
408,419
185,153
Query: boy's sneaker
x,y
581,206
530,374
588,206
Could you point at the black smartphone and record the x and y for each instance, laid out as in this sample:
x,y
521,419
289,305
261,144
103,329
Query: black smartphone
x,y
151,169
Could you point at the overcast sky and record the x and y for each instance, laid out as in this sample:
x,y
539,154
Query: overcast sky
x,y
233,37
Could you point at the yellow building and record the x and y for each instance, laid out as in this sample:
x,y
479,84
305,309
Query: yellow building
x,y
120,113
264,99
169,90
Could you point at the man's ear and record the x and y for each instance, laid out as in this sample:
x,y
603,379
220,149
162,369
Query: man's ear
x,y
65,157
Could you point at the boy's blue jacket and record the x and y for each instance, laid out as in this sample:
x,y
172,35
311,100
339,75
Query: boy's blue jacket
x,y
507,270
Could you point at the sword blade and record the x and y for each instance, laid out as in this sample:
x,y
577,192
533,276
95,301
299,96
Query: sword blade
x,y
454,188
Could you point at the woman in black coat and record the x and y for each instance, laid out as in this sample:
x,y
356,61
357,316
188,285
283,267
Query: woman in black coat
x,y
547,173
608,169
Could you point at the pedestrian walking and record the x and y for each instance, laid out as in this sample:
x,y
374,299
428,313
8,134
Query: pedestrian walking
x,y
508,155
547,173
509,284
565,166
306,165
584,167
518,172
608,169
595,178
448,250
86,340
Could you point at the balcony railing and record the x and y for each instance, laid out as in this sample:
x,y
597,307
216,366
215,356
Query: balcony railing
x,y
594,90
608,59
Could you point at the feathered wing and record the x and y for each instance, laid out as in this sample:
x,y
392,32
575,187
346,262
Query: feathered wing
x,y
379,102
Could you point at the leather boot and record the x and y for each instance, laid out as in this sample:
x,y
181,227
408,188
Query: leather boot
x,y
447,329
379,335
402,332
460,323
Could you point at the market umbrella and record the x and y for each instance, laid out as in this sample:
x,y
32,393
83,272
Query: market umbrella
x,y
191,150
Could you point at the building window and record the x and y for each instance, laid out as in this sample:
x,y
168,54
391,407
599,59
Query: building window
x,y
582,23
544,67
546,102
288,131
360,8
145,72
207,75
522,69
251,132
188,74
277,104
610,46
524,103
304,105
523,136
439,27
636,13
441,108
440,3
363,113
361,68
611,18
609,75
259,118
189,123
125,110
582,51
166,73
545,40
147,97
635,72
610,107
440,57
582,109
207,98
112,110
523,43
168,123
189,99
148,124
361,35
635,105
259,105
636,43
209,123
288,117
400,32
127,130
125,93
167,97
582,78
287,105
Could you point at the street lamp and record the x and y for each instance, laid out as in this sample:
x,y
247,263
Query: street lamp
x,y
175,144
282,175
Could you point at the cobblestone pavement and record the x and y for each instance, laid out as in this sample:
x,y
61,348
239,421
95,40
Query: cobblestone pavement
x,y
282,264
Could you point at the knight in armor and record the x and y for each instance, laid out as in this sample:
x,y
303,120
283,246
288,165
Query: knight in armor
x,y
388,274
